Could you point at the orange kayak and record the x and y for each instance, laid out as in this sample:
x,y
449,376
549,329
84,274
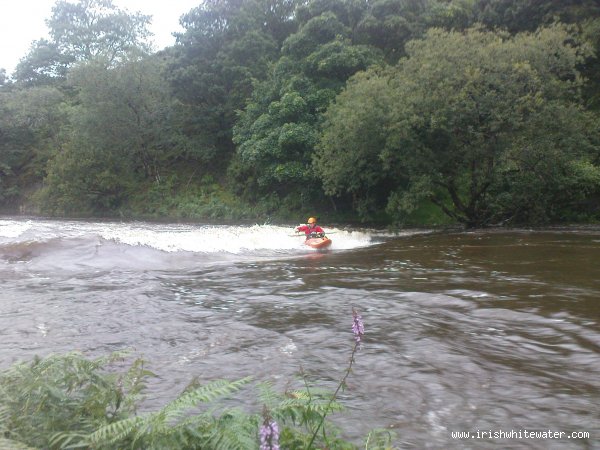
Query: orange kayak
x,y
319,242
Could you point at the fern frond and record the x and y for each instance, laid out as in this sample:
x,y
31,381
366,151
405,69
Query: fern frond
x,y
4,414
203,394
234,430
116,431
267,395
317,406
165,425
68,440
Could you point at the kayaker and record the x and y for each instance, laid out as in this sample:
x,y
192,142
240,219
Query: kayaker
x,y
311,229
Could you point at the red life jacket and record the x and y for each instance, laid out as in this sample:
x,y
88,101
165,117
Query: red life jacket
x,y
307,230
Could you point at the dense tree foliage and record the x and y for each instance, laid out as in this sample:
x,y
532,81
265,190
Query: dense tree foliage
x,y
30,126
527,15
279,129
227,44
483,110
486,126
122,132
83,31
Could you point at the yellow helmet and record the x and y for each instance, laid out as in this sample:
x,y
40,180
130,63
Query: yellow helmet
x,y
311,220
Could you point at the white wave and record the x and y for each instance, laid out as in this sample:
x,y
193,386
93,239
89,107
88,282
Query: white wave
x,y
227,239
13,229
177,237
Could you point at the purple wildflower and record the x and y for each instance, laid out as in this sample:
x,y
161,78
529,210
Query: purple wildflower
x,y
358,328
269,435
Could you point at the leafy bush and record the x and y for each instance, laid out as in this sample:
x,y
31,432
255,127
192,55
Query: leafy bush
x,y
66,392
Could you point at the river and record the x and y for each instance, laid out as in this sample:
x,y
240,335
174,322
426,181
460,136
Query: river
x,y
483,331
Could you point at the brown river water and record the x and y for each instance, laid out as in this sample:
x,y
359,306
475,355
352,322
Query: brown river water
x,y
485,332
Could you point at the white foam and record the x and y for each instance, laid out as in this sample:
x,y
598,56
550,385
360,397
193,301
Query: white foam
x,y
232,239
13,229
228,239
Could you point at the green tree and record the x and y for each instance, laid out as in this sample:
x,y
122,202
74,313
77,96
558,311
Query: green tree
x,y
123,134
129,110
84,31
390,24
43,65
348,160
591,68
31,123
90,29
550,173
528,15
227,45
277,132
452,14
464,104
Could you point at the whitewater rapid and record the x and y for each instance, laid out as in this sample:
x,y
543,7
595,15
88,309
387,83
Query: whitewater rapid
x,y
198,238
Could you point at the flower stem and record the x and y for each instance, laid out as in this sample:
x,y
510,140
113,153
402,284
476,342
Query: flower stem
x,y
334,396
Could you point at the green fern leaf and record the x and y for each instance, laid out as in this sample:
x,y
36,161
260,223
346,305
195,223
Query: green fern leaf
x,y
116,431
203,394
